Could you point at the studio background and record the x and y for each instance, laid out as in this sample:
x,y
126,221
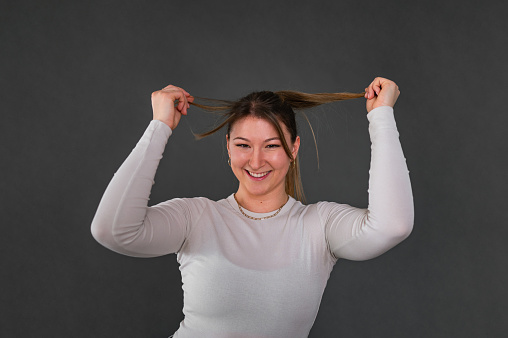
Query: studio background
x,y
76,80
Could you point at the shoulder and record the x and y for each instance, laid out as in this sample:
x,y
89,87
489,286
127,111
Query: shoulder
x,y
320,207
188,201
323,205
319,210
327,210
191,206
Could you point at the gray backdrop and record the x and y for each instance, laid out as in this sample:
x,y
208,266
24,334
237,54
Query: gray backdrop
x,y
76,79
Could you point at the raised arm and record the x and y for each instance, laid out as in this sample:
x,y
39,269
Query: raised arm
x,y
360,234
123,222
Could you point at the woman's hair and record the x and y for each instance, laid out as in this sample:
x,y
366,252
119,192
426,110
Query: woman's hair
x,y
275,107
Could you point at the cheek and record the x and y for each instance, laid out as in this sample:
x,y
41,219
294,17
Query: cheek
x,y
281,159
238,158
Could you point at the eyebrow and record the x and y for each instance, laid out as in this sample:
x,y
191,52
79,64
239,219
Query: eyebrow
x,y
267,140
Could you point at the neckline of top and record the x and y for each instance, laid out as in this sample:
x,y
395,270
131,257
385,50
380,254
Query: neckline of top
x,y
285,208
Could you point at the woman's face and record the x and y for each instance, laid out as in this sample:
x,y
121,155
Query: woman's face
x,y
258,159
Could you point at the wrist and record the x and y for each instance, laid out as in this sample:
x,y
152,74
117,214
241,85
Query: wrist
x,y
166,123
163,124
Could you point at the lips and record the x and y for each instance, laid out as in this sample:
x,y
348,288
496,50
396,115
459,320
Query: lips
x,y
258,176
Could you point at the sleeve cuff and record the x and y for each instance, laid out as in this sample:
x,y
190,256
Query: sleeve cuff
x,y
382,117
162,127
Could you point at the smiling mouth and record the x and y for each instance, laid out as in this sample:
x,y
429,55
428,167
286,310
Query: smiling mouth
x,y
258,175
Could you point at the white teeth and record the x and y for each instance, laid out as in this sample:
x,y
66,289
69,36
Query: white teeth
x,y
258,175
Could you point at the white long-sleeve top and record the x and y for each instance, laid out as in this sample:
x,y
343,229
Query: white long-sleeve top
x,y
249,278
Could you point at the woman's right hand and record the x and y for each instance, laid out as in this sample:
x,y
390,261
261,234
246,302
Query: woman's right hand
x,y
163,105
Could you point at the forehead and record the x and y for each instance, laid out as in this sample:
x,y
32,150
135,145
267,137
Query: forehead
x,y
256,127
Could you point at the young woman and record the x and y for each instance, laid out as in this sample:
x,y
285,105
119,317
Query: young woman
x,y
256,263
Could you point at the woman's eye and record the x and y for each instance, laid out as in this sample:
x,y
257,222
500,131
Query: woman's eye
x,y
242,145
273,146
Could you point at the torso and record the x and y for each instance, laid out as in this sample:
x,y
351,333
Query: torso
x,y
253,278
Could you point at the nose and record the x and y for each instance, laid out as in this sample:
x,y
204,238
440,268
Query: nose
x,y
257,160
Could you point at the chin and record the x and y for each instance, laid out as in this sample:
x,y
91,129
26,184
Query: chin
x,y
256,192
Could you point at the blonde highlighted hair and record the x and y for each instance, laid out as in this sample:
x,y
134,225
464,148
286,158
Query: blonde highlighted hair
x,y
275,107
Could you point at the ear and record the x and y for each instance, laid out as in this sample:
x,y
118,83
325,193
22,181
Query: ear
x,y
296,146
227,143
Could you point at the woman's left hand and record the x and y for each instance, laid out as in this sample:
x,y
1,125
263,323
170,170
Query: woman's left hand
x,y
381,92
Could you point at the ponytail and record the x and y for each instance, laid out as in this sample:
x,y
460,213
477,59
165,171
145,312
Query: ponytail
x,y
299,100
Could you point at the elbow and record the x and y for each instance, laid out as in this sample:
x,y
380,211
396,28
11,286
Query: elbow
x,y
400,225
100,233
405,230
96,232
400,230
394,227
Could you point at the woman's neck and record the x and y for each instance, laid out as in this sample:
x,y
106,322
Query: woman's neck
x,y
261,203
